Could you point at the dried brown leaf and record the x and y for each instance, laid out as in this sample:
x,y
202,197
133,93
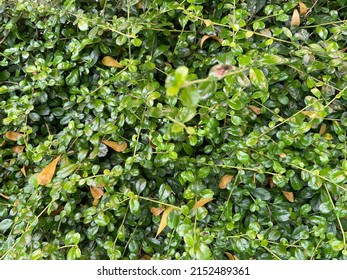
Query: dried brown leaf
x,y
18,149
23,171
322,129
289,196
115,146
302,8
96,201
295,18
14,136
208,22
46,175
205,37
4,196
96,192
283,155
225,180
255,109
163,221
157,211
201,202
111,62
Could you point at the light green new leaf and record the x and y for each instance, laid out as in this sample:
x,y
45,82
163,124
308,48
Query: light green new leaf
x,y
258,79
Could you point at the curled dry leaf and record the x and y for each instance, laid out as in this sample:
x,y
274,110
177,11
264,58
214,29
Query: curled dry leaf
x,y
157,211
111,62
255,109
302,8
14,136
208,22
96,192
23,171
201,202
295,18
322,129
225,180
115,146
231,256
18,149
205,37
163,221
289,196
46,175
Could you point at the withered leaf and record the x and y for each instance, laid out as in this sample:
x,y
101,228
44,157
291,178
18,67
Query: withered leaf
x,y
255,109
231,256
115,146
295,18
111,62
322,129
205,37
18,149
14,136
23,171
225,180
163,221
289,196
157,211
46,175
201,202
96,192
302,8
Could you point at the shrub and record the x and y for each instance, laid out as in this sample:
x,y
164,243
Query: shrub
x,y
173,129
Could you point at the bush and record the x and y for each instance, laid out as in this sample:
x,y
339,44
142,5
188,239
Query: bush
x,y
167,130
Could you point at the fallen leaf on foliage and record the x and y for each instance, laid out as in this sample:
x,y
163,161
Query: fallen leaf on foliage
x,y
163,221
46,175
231,256
14,136
23,171
111,62
18,149
201,202
255,109
302,8
205,37
4,196
95,201
115,146
289,196
295,18
224,181
322,129
157,211
283,155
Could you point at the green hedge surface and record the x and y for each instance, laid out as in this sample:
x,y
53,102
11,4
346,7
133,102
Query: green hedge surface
x,y
193,129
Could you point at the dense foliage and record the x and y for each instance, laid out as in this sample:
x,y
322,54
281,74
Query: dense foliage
x,y
119,139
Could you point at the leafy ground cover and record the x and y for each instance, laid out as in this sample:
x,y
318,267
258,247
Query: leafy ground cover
x,y
190,129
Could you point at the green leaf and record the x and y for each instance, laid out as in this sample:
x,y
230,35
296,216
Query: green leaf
x,y
181,74
202,252
140,185
258,79
83,24
5,225
190,97
72,238
261,193
73,78
134,205
74,253
243,157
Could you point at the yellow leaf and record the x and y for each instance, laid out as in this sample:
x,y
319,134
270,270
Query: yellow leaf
x,y
231,256
295,18
23,171
96,201
289,196
14,136
115,146
18,149
302,8
310,114
46,175
322,129
208,22
111,62
328,136
205,37
255,109
163,221
157,211
226,179
96,192
201,202
283,155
